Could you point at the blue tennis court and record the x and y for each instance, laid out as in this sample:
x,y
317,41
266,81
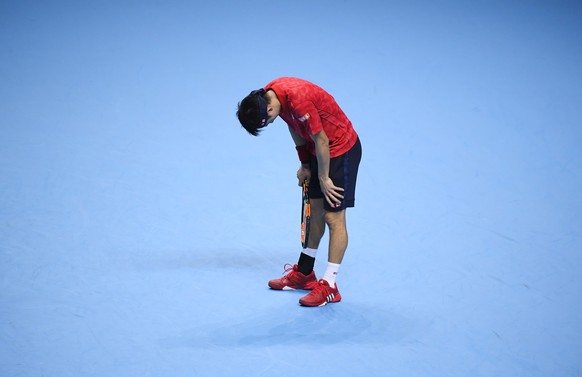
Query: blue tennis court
x,y
139,223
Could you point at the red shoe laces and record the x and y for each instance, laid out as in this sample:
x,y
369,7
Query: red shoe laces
x,y
288,269
320,289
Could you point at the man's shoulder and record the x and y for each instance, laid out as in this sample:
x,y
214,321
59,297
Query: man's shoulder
x,y
293,91
291,85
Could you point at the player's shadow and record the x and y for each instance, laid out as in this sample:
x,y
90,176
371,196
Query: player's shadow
x,y
316,327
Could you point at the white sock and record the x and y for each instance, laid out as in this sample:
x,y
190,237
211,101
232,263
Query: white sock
x,y
331,273
310,252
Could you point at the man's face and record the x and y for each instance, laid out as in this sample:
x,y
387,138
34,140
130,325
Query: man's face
x,y
273,110
271,119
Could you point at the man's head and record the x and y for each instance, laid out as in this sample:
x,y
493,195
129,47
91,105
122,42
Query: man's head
x,y
257,110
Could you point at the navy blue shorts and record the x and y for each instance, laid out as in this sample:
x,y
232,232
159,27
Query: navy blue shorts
x,y
343,171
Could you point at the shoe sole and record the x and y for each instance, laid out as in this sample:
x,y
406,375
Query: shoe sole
x,y
287,288
317,306
320,305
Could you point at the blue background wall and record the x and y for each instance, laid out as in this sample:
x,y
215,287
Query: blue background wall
x,y
139,223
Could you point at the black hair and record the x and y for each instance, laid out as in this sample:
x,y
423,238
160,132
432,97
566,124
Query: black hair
x,y
249,112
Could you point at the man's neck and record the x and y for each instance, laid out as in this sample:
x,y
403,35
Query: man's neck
x,y
273,100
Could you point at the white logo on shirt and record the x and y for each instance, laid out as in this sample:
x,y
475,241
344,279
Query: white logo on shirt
x,y
304,117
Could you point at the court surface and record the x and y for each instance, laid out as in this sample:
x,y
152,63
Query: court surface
x,y
139,223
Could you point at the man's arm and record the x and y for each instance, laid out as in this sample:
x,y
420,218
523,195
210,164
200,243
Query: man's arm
x,y
332,193
304,172
298,140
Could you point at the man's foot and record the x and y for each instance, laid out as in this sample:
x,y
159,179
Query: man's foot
x,y
321,295
294,280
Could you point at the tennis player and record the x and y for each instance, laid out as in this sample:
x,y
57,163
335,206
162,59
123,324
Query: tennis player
x,y
329,150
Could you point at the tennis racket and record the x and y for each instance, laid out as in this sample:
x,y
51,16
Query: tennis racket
x,y
305,214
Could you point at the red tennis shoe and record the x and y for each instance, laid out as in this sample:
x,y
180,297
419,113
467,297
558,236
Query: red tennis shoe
x,y
321,295
294,280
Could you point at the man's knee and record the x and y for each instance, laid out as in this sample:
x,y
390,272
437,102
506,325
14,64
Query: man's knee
x,y
335,219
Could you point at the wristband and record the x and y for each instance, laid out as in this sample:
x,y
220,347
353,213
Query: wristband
x,y
303,153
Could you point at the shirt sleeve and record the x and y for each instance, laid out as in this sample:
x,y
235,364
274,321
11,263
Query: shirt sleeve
x,y
307,115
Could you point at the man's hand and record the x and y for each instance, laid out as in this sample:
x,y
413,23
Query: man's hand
x,y
331,192
303,174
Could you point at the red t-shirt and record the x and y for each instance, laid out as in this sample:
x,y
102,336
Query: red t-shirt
x,y
308,109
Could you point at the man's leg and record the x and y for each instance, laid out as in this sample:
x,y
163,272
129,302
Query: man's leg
x,y
317,224
326,291
301,276
343,170
338,235
316,231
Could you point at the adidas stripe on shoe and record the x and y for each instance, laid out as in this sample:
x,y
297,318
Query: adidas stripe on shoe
x,y
321,295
